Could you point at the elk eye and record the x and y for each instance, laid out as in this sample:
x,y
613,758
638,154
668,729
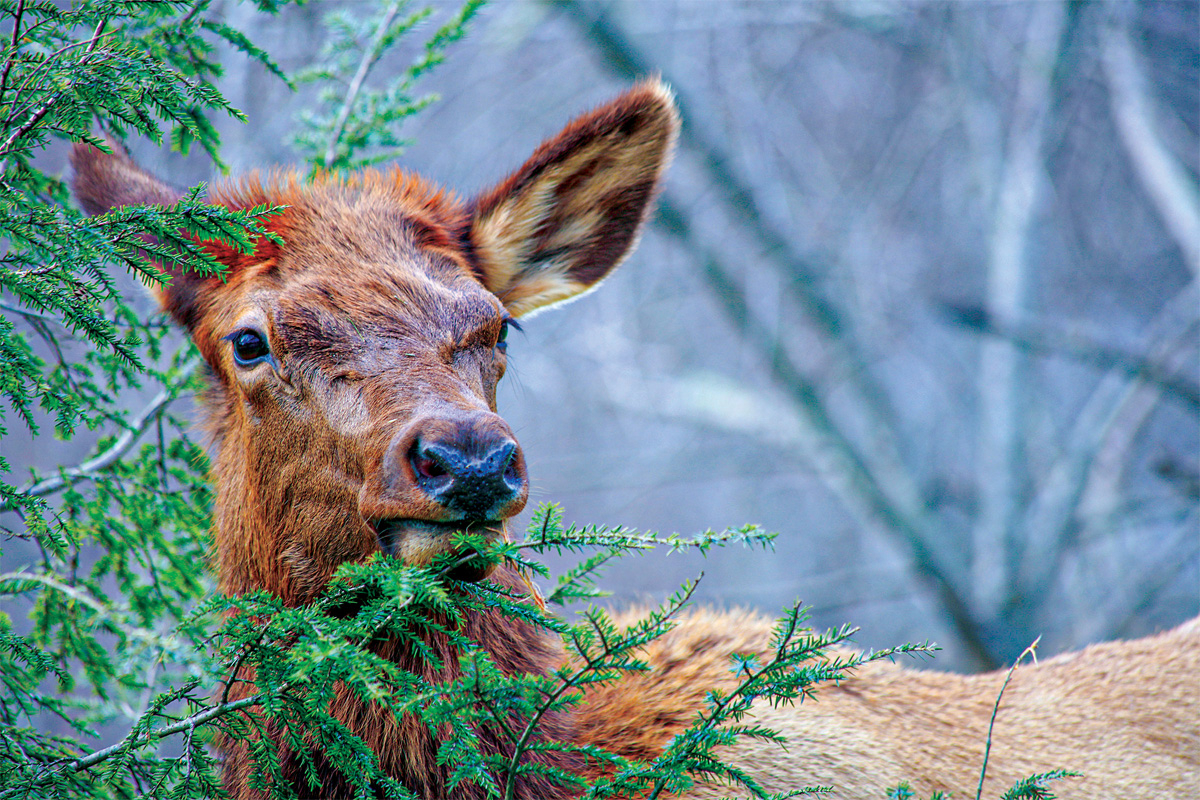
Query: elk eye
x,y
249,347
502,339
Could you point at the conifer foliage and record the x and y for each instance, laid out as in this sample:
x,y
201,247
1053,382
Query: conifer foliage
x,y
101,558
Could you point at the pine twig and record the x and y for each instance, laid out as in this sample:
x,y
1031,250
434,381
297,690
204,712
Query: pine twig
x,y
590,664
121,446
40,113
136,740
369,59
1030,651
16,39
87,599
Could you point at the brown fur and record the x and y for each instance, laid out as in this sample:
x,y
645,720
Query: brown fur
x,y
382,310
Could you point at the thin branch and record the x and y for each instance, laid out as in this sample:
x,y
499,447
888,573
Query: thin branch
x,y
195,9
31,80
1103,428
1030,651
1044,340
571,682
45,109
1003,369
138,740
121,446
370,57
1166,182
12,55
75,593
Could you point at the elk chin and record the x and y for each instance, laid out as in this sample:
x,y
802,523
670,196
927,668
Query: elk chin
x,y
419,541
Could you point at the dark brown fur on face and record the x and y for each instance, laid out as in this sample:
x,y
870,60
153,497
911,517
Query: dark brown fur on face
x,y
362,419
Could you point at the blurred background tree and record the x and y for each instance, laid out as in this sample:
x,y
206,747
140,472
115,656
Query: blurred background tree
x,y
921,297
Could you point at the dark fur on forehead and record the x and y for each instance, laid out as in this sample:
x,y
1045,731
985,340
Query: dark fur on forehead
x,y
401,205
346,232
324,327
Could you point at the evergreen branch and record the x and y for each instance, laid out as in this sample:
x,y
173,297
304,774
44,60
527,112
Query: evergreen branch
x,y
591,664
369,59
47,65
1030,651
137,739
134,741
192,12
41,112
12,55
121,446
77,594
1033,787
719,709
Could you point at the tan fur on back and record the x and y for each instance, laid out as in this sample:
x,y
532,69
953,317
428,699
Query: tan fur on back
x,y
1126,714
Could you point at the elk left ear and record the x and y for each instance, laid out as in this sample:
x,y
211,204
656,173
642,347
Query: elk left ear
x,y
558,225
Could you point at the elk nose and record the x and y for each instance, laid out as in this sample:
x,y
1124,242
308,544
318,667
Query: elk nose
x,y
481,483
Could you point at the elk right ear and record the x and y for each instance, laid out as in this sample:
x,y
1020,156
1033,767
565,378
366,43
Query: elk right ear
x,y
103,181
573,211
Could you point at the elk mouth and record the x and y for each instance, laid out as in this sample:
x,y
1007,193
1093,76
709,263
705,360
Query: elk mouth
x,y
418,541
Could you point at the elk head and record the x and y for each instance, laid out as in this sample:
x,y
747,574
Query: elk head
x,y
354,367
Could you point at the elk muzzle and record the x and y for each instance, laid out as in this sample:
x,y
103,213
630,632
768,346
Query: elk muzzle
x,y
443,476
475,484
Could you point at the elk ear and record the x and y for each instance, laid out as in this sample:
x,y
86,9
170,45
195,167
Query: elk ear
x,y
103,181
558,225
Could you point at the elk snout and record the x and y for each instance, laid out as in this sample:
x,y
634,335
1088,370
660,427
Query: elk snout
x,y
479,480
458,470
439,477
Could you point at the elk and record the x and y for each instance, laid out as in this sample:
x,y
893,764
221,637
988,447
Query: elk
x,y
352,411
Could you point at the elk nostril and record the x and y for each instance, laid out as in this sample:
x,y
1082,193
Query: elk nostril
x,y
476,478
426,464
508,460
428,468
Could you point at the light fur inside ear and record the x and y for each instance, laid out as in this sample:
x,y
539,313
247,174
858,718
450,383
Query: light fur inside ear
x,y
562,222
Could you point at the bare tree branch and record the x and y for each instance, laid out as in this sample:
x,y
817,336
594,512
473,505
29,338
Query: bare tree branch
x,y
1003,374
801,276
837,460
1166,182
1109,419
1041,339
